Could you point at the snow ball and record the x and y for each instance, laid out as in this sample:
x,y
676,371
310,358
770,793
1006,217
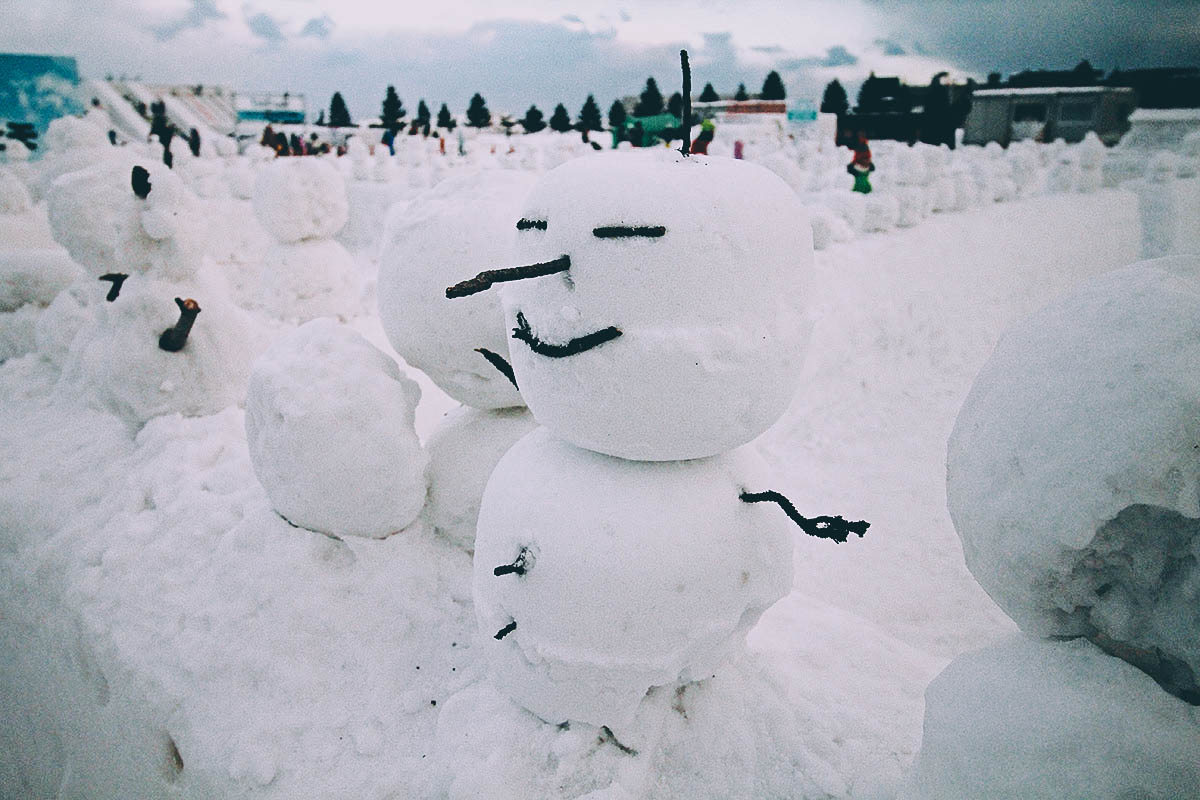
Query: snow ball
x,y
309,279
15,151
1052,720
637,574
465,225
1073,473
463,451
692,331
300,198
329,422
69,133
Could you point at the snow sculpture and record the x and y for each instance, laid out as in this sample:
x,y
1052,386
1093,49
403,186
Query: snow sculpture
x,y
142,233
14,196
429,243
329,422
306,274
465,222
911,195
1158,202
638,306
1073,479
1091,164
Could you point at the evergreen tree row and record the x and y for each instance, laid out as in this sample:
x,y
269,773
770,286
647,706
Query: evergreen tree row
x,y
650,103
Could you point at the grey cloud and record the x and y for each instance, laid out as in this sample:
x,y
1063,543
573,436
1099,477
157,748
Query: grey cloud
x,y
264,27
889,48
984,35
319,27
201,11
836,56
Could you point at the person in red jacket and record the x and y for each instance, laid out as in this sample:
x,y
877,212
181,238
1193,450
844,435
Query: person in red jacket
x,y
861,165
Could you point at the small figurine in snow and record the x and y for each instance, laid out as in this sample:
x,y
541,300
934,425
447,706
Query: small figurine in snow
x,y
861,166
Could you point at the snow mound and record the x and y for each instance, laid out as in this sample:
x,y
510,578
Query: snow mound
x,y
696,326
463,226
1052,721
463,451
693,742
1073,472
34,276
14,196
604,540
329,422
301,198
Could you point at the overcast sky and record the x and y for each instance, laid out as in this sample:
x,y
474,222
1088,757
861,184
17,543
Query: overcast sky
x,y
536,51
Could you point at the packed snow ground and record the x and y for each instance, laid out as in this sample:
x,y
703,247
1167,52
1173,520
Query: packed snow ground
x,y
162,627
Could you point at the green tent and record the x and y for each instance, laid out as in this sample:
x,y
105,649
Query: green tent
x,y
652,127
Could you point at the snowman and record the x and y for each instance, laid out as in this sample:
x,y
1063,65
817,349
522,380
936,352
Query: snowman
x,y
625,548
137,344
1073,479
302,203
442,234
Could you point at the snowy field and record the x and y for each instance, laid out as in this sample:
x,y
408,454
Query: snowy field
x,y
166,633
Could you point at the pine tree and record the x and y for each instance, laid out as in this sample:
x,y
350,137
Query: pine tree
x,y
422,118
773,87
444,120
835,101
650,102
339,115
709,94
617,115
320,118
534,120
478,115
560,120
589,116
675,105
741,93
392,111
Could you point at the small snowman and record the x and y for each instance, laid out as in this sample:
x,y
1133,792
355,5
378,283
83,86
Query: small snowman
x,y
1091,164
137,347
1073,479
302,203
442,234
624,549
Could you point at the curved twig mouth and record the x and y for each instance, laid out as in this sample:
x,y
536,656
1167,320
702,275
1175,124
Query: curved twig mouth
x,y
575,346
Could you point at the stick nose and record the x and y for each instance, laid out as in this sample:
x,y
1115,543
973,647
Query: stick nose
x,y
488,277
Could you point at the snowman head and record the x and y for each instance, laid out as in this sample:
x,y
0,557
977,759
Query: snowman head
x,y
664,319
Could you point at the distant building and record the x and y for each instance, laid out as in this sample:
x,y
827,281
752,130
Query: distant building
x,y
35,89
1161,128
1049,113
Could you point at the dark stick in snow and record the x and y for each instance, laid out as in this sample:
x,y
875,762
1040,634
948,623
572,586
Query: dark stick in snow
x,y
525,224
117,279
485,279
140,179
623,231
834,528
518,567
500,363
606,735
173,339
579,344
506,630
686,147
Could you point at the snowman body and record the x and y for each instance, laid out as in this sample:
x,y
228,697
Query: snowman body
x,y
632,574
